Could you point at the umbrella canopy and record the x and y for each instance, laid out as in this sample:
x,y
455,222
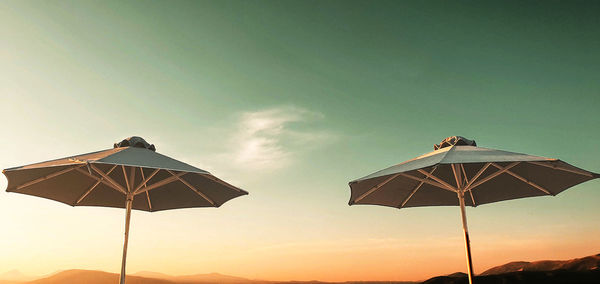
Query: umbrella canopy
x,y
131,175
104,178
460,173
489,175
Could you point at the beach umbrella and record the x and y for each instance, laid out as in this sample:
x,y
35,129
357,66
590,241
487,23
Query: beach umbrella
x,y
131,175
458,173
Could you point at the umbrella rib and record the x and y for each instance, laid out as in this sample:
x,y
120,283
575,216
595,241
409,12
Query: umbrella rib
x,y
161,183
46,177
109,179
98,181
464,173
427,181
456,178
527,181
132,179
147,193
193,189
85,194
143,184
125,177
467,182
375,188
468,187
472,197
103,180
216,179
499,172
438,180
552,166
415,190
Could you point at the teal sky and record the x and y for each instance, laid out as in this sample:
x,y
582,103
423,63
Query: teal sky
x,y
290,100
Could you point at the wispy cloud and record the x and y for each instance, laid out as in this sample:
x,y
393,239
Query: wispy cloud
x,y
273,138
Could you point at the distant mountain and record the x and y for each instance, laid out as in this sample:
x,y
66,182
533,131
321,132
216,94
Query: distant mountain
x,y
77,276
151,274
578,264
579,270
526,277
454,278
347,282
380,282
197,278
457,275
212,278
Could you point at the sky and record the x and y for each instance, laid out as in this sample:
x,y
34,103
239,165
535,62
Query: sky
x,y
290,100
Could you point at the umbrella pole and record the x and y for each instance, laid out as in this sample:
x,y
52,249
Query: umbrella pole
x,y
127,217
461,197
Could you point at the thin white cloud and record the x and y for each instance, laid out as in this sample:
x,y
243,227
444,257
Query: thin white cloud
x,y
273,138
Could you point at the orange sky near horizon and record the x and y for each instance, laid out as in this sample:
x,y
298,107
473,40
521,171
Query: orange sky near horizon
x,y
396,257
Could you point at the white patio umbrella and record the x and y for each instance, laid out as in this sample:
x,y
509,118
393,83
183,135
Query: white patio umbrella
x,y
458,168
131,176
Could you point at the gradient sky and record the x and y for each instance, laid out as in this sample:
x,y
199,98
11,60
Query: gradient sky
x,y
290,100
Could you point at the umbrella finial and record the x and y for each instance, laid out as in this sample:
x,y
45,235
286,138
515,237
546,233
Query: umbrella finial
x,y
454,141
135,141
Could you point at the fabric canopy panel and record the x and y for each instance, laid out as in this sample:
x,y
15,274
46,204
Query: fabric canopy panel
x,y
101,179
427,180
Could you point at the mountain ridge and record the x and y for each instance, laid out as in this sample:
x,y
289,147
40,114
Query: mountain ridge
x,y
197,278
591,262
577,270
78,276
550,271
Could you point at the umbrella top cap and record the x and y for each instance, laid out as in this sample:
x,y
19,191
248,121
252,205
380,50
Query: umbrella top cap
x,y
135,141
454,141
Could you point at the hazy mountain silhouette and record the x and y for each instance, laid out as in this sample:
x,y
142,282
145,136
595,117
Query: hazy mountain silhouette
x,y
197,278
579,270
578,264
151,274
347,282
526,277
77,276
